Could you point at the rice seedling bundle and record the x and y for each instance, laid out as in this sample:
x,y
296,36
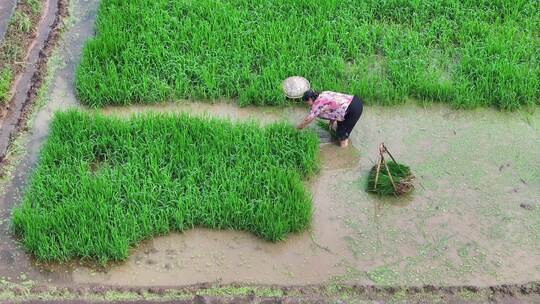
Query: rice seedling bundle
x,y
402,177
103,184
465,53
325,125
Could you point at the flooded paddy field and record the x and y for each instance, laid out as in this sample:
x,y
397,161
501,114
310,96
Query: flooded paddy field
x,y
476,193
473,219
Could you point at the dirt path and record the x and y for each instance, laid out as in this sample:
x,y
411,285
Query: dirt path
x,y
473,219
13,262
529,293
27,84
6,9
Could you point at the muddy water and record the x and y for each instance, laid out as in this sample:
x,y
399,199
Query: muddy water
x,y
473,219
224,110
203,255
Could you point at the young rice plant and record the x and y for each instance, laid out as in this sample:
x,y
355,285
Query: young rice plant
x,y
465,53
103,184
325,125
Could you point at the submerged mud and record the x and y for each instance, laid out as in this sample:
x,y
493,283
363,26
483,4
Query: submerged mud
x,y
463,225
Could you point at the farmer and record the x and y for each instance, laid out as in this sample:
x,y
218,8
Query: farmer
x,y
342,111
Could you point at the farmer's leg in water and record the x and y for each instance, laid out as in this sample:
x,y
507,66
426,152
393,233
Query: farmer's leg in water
x,y
333,124
345,127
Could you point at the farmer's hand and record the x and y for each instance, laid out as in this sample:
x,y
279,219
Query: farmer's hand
x,y
307,120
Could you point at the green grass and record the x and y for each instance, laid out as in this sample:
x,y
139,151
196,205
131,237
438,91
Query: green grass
x,y
465,53
5,84
103,184
400,173
21,21
35,5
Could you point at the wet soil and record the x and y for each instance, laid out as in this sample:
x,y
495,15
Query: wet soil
x,y
6,9
463,225
204,293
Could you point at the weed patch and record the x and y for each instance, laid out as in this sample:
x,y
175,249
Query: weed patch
x,y
465,53
103,184
5,84
21,21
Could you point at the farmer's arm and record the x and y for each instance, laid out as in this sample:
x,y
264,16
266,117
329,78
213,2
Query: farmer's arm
x,y
316,110
307,120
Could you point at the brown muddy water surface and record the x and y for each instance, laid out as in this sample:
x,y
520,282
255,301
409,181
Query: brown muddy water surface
x,y
474,217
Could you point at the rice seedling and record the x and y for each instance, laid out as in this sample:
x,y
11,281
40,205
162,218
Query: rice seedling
x,y
464,53
323,124
103,184
401,176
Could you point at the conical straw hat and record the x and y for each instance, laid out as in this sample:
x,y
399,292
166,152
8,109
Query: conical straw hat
x,y
295,86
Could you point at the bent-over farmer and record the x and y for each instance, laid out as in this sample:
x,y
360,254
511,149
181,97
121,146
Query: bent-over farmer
x,y
342,111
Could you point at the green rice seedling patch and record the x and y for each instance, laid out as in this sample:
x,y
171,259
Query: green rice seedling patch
x,y
103,184
465,53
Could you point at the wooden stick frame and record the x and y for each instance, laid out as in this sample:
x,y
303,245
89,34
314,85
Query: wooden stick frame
x,y
382,150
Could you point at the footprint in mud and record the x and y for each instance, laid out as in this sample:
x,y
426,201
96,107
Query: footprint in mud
x,y
7,257
171,254
150,262
334,157
151,251
526,206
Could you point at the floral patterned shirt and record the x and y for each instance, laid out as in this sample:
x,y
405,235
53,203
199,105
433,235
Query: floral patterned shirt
x,y
330,106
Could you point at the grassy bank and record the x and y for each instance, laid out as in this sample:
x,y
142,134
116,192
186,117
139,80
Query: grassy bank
x,y
104,184
465,53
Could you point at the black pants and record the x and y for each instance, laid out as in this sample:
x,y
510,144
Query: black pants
x,y
354,111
